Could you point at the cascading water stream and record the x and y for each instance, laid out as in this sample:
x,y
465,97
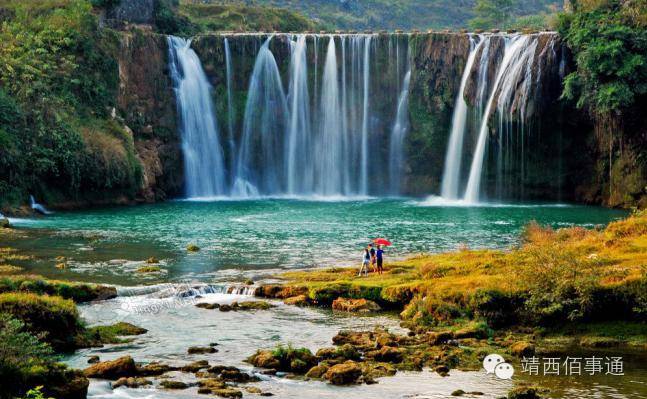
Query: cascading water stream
x,y
230,108
453,157
330,166
299,169
203,154
398,133
365,117
260,162
515,55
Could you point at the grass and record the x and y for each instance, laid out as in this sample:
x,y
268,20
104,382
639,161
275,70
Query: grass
x,y
78,292
571,274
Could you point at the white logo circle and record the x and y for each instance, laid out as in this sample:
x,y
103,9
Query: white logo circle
x,y
491,361
504,371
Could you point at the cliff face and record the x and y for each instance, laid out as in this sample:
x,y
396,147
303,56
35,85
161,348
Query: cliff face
x,y
147,104
437,64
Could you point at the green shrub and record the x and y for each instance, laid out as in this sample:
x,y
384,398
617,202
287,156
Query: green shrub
x,y
430,311
499,309
54,319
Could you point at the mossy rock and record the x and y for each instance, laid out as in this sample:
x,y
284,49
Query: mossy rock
x,y
197,350
192,248
344,374
522,349
112,369
131,382
355,305
524,393
170,384
99,335
149,269
252,305
317,372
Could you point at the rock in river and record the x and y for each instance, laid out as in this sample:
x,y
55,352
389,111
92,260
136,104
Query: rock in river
x,y
113,369
355,305
344,374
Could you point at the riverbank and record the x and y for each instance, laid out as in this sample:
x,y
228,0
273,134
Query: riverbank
x,y
455,307
462,305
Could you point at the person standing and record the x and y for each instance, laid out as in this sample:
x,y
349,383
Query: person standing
x,y
380,259
373,259
366,259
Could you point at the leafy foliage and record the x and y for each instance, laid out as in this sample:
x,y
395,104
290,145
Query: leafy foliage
x,y
492,13
58,74
611,54
386,14
20,351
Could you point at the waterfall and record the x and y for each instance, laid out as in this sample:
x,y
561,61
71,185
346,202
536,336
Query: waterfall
x,y
453,156
330,159
230,109
299,169
327,115
365,117
259,165
203,154
398,133
38,207
517,53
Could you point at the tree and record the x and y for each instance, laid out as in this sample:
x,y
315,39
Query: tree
x,y
492,13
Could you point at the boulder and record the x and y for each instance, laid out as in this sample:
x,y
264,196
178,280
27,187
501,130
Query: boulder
x,y
317,371
195,366
93,359
4,223
436,338
195,350
170,384
266,360
227,392
524,393
299,300
363,339
207,305
153,369
113,369
442,370
355,305
522,348
192,248
387,354
252,305
206,385
235,375
344,374
131,382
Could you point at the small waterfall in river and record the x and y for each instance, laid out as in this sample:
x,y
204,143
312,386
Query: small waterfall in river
x,y
453,157
203,154
38,207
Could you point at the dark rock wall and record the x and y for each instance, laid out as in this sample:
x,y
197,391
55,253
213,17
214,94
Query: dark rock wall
x,y
146,103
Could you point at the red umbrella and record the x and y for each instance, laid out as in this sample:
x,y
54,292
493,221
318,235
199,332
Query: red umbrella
x,y
382,241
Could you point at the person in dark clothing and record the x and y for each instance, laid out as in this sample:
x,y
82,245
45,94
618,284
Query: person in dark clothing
x,y
379,255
